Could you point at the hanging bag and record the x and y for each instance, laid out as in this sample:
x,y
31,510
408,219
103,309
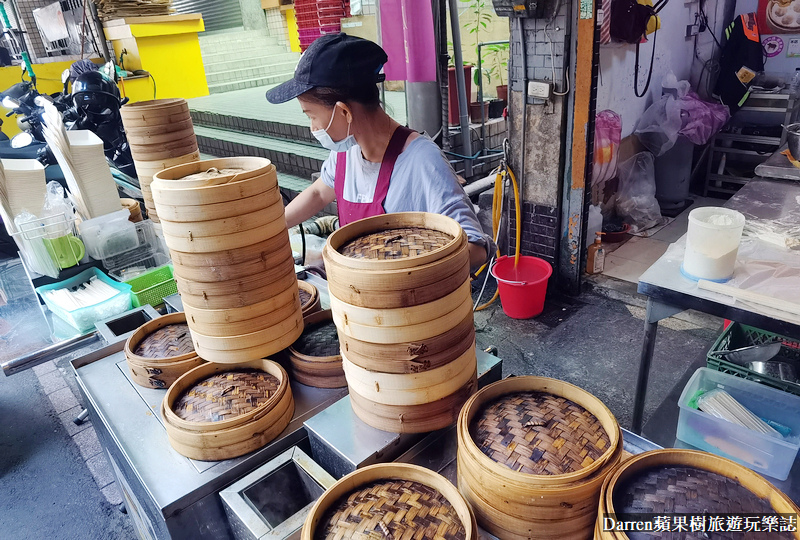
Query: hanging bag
x,y
629,21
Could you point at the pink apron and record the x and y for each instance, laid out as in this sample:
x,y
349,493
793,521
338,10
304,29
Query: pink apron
x,y
350,211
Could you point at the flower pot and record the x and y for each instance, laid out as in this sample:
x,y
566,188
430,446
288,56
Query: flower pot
x,y
502,92
475,109
496,107
452,92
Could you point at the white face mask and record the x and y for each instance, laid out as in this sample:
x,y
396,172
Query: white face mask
x,y
325,140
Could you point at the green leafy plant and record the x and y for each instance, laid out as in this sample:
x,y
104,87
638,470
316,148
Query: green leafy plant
x,y
497,55
482,14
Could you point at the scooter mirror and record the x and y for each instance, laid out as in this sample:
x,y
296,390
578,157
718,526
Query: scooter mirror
x,y
65,76
42,100
10,103
21,140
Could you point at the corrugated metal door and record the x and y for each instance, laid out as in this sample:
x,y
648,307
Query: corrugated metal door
x,y
217,14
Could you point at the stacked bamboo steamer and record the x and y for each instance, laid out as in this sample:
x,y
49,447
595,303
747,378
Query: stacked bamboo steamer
x,y
664,482
160,351
133,206
218,411
391,500
161,135
224,224
533,454
400,298
315,358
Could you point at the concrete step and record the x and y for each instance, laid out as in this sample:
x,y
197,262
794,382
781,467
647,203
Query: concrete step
x,y
227,36
293,158
251,83
287,60
266,128
235,45
246,74
214,56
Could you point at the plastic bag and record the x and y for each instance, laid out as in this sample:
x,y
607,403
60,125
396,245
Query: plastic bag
x,y
636,197
679,111
607,135
55,202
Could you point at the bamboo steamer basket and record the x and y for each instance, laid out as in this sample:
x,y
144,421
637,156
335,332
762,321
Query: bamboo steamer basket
x,y
207,212
150,168
425,518
232,257
510,503
154,108
258,344
200,316
168,357
144,133
226,272
389,289
662,461
314,358
413,356
229,438
309,297
135,209
240,299
256,280
154,137
413,418
242,222
234,240
263,322
164,150
172,141
257,176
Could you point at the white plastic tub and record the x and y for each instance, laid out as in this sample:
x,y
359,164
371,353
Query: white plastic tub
x,y
768,455
712,243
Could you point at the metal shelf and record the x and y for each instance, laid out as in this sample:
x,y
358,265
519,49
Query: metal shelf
x,y
757,139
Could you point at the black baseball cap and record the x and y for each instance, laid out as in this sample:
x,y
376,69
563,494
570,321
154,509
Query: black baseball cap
x,y
333,61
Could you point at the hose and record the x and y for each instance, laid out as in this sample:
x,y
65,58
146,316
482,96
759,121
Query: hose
x,y
497,216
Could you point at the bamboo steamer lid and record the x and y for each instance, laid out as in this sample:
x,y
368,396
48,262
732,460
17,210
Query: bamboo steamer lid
x,y
228,410
392,500
532,457
691,482
314,357
160,351
309,298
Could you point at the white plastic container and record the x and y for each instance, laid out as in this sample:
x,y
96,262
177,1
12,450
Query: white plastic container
x,y
765,454
712,243
109,235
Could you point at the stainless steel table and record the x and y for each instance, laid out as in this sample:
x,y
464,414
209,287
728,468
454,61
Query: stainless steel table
x,y
778,166
669,292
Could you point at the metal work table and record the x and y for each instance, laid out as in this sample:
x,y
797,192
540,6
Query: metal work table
x,y
669,292
778,166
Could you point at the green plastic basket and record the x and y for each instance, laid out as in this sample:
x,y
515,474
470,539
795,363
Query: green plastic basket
x,y
152,286
739,335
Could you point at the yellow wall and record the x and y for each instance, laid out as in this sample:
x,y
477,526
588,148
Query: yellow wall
x,y
48,81
170,51
291,30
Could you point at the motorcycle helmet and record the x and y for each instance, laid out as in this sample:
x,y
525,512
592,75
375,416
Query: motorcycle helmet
x,y
95,95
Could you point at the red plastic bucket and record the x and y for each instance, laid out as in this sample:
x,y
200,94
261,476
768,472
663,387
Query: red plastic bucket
x,y
522,288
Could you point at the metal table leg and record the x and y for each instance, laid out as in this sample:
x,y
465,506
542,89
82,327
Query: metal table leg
x,y
656,311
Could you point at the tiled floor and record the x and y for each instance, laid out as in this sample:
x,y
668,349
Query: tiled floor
x,y
252,103
628,261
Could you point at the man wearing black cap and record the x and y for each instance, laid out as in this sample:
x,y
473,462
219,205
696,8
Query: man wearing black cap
x,y
376,165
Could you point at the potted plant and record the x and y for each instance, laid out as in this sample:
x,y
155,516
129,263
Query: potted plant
x,y
498,54
481,17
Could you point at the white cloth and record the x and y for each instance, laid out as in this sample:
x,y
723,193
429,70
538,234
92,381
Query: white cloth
x,y
422,181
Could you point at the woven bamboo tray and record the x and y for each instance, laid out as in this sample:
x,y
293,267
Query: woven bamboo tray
x,y
160,351
388,247
309,297
314,357
234,436
227,272
398,288
433,514
241,299
513,504
650,479
414,356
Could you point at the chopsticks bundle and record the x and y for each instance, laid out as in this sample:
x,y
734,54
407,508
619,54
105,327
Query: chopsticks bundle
x,y
721,404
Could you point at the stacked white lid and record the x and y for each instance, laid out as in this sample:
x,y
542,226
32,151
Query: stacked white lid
x,y
22,188
80,155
